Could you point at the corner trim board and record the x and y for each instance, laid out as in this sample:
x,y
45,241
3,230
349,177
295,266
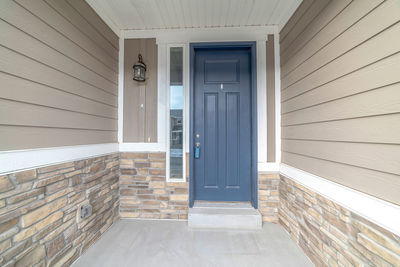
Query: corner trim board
x,y
100,11
12,161
380,212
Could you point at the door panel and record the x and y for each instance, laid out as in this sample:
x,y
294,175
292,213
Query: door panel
x,y
222,120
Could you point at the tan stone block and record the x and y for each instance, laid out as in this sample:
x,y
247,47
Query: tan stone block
x,y
2,203
178,184
150,202
26,195
181,191
377,237
315,214
125,180
156,184
50,189
127,192
141,178
58,230
42,212
18,206
157,155
129,214
329,250
267,210
263,193
73,173
128,171
159,192
377,249
342,246
5,245
157,164
268,176
66,258
142,164
25,176
5,184
37,227
335,221
362,252
126,163
158,178
127,155
142,171
54,246
129,202
145,191
179,197
112,164
270,219
45,182
311,199
262,198
59,194
157,172
51,168
33,257
16,249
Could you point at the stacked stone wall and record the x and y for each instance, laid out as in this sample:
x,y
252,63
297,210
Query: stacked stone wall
x,y
40,222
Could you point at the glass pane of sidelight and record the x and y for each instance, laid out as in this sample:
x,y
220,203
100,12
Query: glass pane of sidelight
x,y
176,113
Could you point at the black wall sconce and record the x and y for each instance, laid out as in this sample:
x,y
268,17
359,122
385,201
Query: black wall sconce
x,y
139,70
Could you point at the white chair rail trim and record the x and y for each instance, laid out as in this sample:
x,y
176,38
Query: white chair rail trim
x,y
17,160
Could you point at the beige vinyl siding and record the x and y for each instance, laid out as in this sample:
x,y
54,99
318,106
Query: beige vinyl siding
x,y
340,98
271,149
140,98
58,75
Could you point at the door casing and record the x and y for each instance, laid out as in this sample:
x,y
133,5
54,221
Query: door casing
x,y
253,89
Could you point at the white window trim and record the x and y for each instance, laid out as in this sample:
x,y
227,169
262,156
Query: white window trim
x,y
185,120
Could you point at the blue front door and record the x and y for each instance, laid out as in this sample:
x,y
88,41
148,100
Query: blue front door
x,y
222,124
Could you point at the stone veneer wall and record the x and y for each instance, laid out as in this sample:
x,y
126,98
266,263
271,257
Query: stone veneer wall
x,y
144,191
39,223
332,235
268,196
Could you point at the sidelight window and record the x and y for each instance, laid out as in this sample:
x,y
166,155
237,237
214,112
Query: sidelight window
x,y
176,155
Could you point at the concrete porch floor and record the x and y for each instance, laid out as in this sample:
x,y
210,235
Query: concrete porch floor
x,y
171,243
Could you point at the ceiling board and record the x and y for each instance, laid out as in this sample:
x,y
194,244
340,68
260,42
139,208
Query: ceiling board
x,y
176,14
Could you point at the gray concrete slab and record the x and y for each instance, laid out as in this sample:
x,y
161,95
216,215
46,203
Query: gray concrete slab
x,y
171,243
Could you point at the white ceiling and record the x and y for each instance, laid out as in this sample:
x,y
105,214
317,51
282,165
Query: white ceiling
x,y
175,14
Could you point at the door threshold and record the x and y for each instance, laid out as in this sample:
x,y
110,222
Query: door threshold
x,y
223,204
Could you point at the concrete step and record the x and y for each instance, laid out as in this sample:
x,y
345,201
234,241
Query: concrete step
x,y
228,215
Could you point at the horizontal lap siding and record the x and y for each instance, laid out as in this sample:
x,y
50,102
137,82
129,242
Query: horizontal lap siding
x,y
58,75
140,98
340,98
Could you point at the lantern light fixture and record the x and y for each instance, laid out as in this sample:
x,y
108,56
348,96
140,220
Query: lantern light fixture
x,y
139,70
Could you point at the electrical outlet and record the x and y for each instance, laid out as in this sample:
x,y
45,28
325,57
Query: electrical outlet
x,y
86,211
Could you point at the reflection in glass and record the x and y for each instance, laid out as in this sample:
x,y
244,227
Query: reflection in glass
x,y
176,114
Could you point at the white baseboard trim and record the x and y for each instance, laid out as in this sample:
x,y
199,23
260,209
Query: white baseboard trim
x,y
380,212
268,167
140,147
17,160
